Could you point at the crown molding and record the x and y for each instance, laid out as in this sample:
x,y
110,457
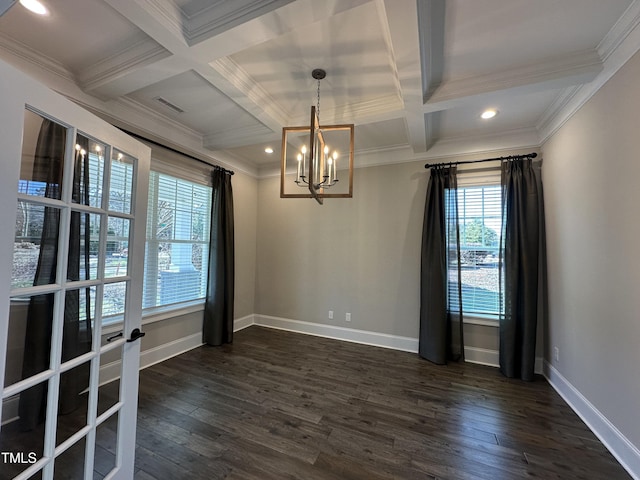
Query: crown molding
x,y
617,47
222,16
235,163
578,68
508,143
562,100
254,99
35,58
614,40
211,20
169,15
471,144
237,137
380,108
141,53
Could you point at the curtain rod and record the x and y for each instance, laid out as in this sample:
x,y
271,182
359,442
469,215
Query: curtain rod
x,y
510,157
174,150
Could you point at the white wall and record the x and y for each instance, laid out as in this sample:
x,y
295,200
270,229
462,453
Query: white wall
x,y
357,255
592,193
245,213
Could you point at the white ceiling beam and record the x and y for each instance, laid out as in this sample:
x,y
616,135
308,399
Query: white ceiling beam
x,y
556,73
431,23
407,53
432,124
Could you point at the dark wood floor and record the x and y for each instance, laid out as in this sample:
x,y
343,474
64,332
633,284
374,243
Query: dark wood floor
x,y
278,405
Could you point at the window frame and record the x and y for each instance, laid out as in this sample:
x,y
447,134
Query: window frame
x,y
188,171
168,162
469,176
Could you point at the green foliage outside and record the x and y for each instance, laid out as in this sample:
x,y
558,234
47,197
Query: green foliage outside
x,y
476,233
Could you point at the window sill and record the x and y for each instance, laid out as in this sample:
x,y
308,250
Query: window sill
x,y
164,313
483,320
157,315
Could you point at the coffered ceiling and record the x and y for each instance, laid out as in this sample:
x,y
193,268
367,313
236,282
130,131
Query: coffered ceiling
x,y
414,76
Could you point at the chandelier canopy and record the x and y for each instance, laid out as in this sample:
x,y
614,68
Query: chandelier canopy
x,y
316,157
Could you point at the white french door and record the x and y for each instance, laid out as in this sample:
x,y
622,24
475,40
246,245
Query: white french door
x,y
73,197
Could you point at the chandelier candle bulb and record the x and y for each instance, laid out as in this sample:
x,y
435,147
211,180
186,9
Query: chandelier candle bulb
x,y
304,158
326,174
299,167
335,165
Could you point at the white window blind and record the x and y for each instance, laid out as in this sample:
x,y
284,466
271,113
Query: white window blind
x,y
479,220
177,247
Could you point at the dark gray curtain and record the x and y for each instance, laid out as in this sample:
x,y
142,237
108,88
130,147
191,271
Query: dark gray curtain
x,y
523,266
218,312
440,341
76,338
48,168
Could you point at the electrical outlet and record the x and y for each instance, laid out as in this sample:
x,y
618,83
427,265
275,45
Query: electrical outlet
x,y
347,317
330,314
556,354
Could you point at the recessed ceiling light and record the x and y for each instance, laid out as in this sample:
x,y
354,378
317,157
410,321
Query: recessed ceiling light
x,y
268,150
490,113
34,6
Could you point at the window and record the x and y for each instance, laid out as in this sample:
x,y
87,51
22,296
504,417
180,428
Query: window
x,y
177,246
479,219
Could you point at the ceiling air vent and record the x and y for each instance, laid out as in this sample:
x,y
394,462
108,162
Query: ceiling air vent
x,y
168,104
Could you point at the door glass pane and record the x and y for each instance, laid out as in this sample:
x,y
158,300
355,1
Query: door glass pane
x,y
108,395
88,174
106,441
36,245
117,247
113,299
23,436
83,246
69,465
79,312
72,402
43,150
16,337
121,182
28,355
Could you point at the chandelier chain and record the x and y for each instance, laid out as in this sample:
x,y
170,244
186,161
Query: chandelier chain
x,y
318,102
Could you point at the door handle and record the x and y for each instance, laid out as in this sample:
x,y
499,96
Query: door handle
x,y
136,334
114,336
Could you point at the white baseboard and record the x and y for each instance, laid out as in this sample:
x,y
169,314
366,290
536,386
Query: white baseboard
x,y
111,371
396,342
491,358
620,447
244,322
482,356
